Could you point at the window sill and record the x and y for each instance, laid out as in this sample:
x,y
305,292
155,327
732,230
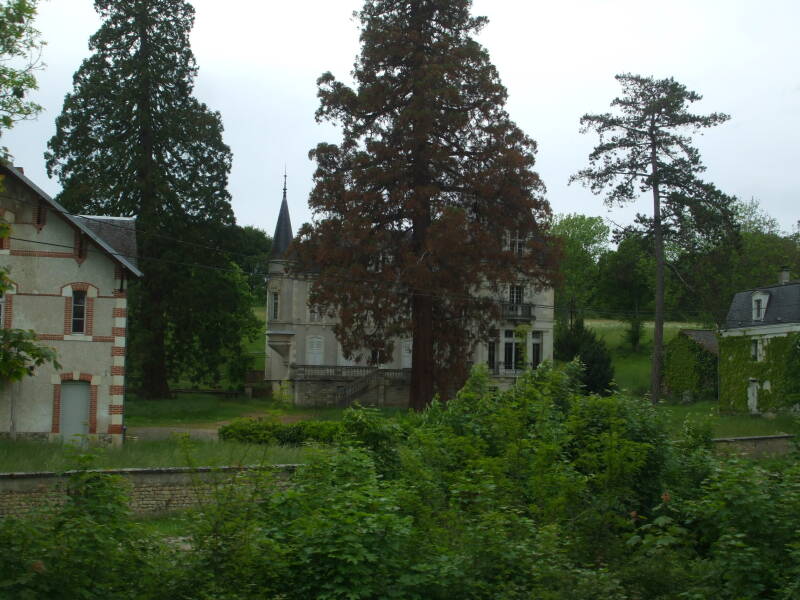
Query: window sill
x,y
77,337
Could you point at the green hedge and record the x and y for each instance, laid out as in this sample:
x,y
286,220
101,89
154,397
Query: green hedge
x,y
688,367
261,431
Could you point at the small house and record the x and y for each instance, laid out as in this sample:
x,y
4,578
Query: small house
x,y
760,349
69,277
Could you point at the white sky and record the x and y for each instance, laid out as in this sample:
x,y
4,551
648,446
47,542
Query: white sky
x,y
259,61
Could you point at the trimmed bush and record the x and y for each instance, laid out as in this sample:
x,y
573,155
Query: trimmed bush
x,y
263,431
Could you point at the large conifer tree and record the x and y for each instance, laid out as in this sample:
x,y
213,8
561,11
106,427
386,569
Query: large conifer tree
x,y
133,141
429,199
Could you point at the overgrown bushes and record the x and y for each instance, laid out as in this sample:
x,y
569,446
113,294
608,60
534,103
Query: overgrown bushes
x,y
536,492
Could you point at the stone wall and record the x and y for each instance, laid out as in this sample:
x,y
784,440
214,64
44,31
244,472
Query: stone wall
x,y
152,491
760,445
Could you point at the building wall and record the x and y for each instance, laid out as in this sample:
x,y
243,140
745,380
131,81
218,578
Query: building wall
x,y
295,327
759,369
45,266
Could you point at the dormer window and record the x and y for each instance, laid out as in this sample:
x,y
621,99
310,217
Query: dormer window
x,y
760,301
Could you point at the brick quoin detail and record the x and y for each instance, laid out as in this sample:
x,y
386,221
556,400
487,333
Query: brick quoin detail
x,y
8,311
93,409
56,409
115,429
103,338
68,316
120,312
89,316
41,254
120,293
115,409
50,337
118,370
117,390
118,331
117,351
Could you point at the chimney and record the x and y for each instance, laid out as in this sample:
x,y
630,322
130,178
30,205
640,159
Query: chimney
x,y
783,278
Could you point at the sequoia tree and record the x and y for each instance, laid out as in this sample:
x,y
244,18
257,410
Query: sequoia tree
x,y
429,203
132,141
645,147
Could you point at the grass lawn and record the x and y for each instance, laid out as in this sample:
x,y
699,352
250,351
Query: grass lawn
x,y
191,410
23,455
727,425
208,411
632,369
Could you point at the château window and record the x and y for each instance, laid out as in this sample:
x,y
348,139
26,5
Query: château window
x,y
2,308
515,294
78,311
275,305
314,314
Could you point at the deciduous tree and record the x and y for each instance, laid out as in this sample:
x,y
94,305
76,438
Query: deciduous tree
x,y
645,146
414,205
20,53
132,140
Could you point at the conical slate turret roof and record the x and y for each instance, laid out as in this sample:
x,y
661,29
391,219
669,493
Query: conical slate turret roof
x,y
283,228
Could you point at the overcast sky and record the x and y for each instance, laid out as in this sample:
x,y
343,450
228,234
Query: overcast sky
x,y
259,60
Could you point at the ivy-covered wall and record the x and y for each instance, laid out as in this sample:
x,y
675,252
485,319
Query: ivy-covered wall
x,y
690,371
778,373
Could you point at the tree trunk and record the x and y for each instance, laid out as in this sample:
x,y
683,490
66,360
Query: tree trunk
x,y
658,325
421,391
151,312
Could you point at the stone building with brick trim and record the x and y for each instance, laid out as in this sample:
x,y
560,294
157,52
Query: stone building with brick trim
x,y
303,355
69,277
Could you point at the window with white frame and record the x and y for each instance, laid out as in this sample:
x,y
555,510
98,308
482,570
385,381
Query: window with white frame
x,y
78,311
536,348
760,301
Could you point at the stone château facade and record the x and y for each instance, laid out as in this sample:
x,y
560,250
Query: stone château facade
x,y
305,358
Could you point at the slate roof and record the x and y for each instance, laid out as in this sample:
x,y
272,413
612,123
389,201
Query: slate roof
x,y
783,306
706,338
122,255
283,229
118,232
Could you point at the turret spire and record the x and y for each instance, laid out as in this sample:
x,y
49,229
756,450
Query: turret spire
x,y
283,228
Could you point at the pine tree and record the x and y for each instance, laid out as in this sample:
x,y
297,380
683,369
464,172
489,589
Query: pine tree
x,y
414,205
644,147
132,141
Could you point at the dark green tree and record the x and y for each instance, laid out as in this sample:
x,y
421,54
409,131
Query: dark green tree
x,y
249,248
645,146
414,206
132,140
625,283
575,341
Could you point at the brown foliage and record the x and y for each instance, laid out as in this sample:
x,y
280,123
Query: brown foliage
x,y
413,208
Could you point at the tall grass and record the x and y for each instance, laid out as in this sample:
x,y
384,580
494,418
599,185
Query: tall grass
x,y
22,456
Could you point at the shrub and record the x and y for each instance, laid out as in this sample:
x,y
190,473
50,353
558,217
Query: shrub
x,y
265,431
576,341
